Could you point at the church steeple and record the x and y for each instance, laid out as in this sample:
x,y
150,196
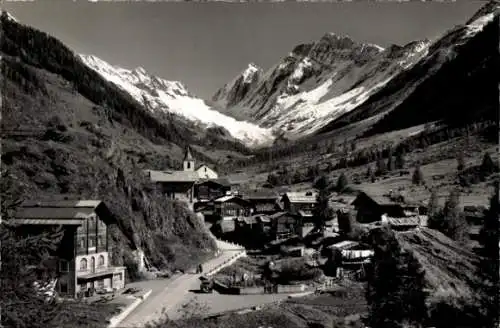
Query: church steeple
x,y
188,160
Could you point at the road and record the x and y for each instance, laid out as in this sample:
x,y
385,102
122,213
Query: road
x,y
169,295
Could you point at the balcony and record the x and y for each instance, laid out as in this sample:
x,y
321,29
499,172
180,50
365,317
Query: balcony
x,y
98,272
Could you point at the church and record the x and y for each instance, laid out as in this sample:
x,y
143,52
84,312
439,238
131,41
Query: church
x,y
180,185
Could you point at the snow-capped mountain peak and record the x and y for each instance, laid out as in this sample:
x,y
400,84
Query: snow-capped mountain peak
x,y
317,82
9,16
162,96
250,72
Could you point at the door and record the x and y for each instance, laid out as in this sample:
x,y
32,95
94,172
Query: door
x,y
92,264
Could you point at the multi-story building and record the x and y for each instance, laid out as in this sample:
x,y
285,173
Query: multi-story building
x,y
83,253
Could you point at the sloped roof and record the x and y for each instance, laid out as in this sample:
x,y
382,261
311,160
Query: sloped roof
x,y
67,212
173,176
188,156
61,203
346,244
230,197
409,221
302,196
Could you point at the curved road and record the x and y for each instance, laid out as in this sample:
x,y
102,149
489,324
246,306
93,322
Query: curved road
x,y
168,295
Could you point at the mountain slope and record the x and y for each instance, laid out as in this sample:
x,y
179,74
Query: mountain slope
x,y
320,81
236,90
161,96
67,131
456,81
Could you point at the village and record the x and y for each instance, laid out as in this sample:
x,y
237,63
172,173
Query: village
x,y
267,224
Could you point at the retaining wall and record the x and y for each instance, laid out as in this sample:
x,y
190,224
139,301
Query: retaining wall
x,y
117,319
226,263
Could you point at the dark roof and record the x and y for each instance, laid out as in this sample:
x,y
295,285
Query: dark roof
x,y
230,198
188,156
379,199
309,197
70,212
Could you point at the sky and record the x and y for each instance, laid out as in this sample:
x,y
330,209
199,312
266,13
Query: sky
x,y
205,45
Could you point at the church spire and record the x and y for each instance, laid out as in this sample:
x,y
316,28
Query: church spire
x,y
188,160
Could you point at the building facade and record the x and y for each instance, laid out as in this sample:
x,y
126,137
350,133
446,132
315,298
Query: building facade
x,y
83,254
294,202
205,172
228,208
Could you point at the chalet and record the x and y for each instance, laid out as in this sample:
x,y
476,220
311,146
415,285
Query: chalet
x,y
176,185
231,207
284,225
207,209
205,172
263,202
303,201
370,207
83,255
206,190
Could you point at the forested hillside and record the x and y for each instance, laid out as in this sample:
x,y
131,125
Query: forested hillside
x,y
67,132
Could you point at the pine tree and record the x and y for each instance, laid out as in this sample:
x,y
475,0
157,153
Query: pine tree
x,y
488,166
322,211
434,213
369,172
400,160
342,182
395,290
25,261
418,176
322,183
489,264
454,223
381,167
460,162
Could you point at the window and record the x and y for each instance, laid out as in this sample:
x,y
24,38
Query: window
x,y
101,241
83,265
92,263
205,169
101,260
63,287
82,243
119,277
63,266
188,165
92,242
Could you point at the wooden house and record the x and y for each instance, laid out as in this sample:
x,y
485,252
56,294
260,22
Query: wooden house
x,y
176,185
231,207
304,201
83,259
206,190
370,207
284,225
263,202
